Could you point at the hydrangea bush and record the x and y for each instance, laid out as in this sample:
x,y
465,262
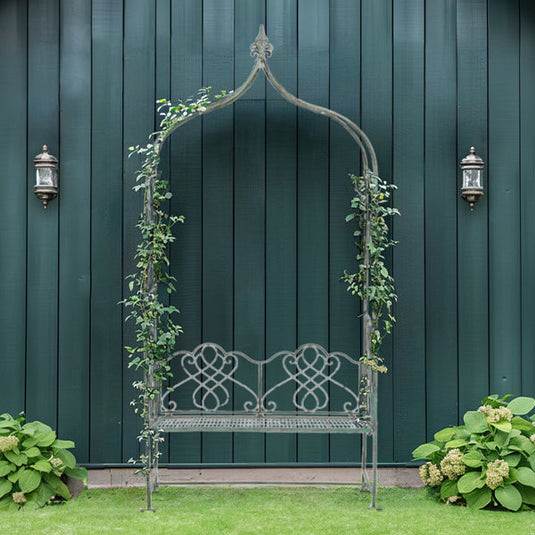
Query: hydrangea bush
x,y
33,464
490,460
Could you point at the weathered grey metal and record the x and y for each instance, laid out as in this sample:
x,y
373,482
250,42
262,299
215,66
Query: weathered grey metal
x,y
259,414
326,396
211,373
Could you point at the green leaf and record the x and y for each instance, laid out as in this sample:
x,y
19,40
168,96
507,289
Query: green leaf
x,y
478,498
5,469
527,493
509,497
521,405
17,459
470,481
32,452
531,460
29,480
526,476
523,443
448,488
503,425
456,443
445,434
424,451
43,494
64,444
475,422
473,459
66,456
5,487
512,459
46,439
42,466
78,472
522,425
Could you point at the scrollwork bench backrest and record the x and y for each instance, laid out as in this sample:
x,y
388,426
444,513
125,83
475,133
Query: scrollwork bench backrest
x,y
310,380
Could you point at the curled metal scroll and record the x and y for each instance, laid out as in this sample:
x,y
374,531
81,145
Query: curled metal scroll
x,y
263,49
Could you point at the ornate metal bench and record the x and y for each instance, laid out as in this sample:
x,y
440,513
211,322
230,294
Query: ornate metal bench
x,y
230,391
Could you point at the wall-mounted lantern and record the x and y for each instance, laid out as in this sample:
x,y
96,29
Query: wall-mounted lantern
x,y
46,176
472,167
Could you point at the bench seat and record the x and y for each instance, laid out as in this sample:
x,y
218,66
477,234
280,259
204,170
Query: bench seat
x,y
264,423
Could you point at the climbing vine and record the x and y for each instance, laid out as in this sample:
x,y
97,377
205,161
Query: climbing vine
x,y
372,281
156,329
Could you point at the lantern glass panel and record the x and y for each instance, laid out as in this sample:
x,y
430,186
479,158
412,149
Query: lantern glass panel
x,y
472,178
46,176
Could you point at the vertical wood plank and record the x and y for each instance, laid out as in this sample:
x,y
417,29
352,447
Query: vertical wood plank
x,y
42,278
504,198
376,120
440,218
344,90
313,195
218,205
281,201
408,268
74,258
15,154
473,311
186,186
527,191
249,217
138,123
106,232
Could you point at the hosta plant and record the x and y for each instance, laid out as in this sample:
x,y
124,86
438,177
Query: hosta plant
x,y
33,464
488,461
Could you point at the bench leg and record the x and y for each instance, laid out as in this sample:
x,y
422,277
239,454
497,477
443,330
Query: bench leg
x,y
365,481
374,473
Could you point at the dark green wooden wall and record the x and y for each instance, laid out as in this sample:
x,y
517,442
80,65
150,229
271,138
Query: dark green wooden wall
x,y
264,189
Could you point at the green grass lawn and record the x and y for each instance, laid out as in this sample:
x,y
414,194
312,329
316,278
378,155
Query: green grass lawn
x,y
277,510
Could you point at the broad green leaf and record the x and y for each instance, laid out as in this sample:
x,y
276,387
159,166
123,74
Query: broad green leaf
x,y
5,469
456,443
424,451
46,439
61,489
524,443
478,498
5,487
523,425
475,422
470,481
32,452
526,476
42,466
43,494
52,479
521,405
512,459
509,497
501,438
36,428
531,460
29,480
64,444
17,459
527,493
448,488
473,458
502,426
78,472
445,434
66,456
29,442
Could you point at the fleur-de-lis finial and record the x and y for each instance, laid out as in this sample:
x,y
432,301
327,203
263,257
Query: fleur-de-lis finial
x,y
261,48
